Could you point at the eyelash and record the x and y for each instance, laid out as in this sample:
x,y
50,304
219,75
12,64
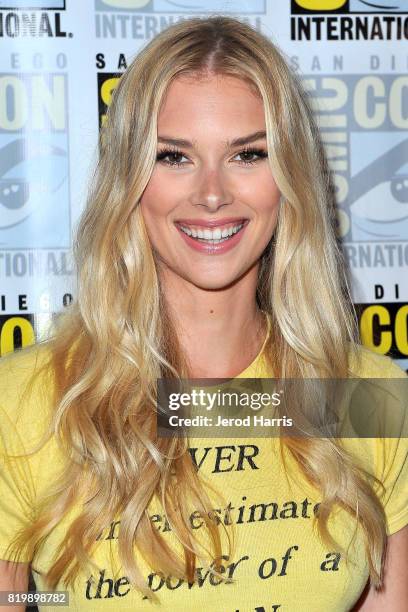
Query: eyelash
x,y
262,154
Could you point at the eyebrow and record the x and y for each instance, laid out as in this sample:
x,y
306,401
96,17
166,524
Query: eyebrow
x,y
237,142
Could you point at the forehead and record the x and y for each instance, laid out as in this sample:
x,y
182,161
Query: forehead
x,y
196,103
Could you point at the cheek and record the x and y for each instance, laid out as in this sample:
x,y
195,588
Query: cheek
x,y
259,189
156,202
150,209
266,195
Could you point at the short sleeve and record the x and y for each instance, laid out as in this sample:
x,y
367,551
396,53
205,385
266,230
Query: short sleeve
x,y
392,464
16,487
22,424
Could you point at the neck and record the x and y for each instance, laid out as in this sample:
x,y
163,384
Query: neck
x,y
220,331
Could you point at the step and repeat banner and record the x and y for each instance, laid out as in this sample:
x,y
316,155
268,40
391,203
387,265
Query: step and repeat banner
x,y
59,64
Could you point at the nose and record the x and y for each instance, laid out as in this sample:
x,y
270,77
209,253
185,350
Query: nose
x,y
211,190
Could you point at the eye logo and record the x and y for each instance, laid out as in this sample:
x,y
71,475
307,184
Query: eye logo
x,y
20,197
379,192
321,5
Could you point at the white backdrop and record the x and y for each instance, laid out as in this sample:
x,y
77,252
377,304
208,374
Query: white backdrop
x,y
61,59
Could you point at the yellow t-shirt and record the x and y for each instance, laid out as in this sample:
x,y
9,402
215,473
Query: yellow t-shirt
x,y
281,564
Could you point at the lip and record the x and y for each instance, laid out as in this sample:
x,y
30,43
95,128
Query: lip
x,y
213,249
210,223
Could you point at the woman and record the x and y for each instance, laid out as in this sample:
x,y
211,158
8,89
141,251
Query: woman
x,y
206,249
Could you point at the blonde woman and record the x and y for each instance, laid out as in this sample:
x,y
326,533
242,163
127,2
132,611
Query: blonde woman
x,y
206,249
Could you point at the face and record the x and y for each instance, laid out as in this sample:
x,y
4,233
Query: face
x,y
211,204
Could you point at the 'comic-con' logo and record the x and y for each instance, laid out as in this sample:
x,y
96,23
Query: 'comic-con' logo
x,y
320,5
34,190
384,328
363,126
349,20
107,81
43,20
16,331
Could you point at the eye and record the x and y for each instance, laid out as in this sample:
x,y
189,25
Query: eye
x,y
176,154
171,153
260,153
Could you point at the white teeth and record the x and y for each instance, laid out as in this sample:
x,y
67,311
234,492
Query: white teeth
x,y
214,235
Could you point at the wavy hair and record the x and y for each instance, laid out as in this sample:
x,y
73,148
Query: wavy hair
x,y
109,346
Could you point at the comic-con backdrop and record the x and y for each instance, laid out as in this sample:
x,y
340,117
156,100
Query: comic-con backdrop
x,y
60,62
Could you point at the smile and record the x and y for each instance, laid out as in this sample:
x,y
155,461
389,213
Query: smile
x,y
215,236
212,237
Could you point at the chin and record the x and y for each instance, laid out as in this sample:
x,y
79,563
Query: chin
x,y
212,284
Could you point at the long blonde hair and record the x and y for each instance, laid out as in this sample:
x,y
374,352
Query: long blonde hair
x,y
111,345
